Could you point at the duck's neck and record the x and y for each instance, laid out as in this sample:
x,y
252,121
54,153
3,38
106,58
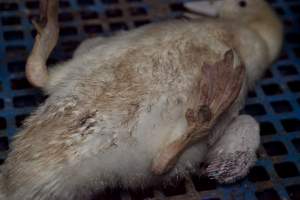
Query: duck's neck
x,y
270,29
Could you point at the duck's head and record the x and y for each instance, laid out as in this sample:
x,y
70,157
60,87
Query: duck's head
x,y
256,14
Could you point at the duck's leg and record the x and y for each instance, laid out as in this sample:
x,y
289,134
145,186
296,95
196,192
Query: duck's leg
x,y
47,36
231,157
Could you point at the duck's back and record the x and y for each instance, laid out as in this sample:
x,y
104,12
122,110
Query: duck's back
x,y
144,76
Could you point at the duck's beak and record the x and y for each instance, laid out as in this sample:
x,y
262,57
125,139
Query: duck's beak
x,y
206,7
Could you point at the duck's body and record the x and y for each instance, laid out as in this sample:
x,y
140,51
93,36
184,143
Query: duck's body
x,y
118,102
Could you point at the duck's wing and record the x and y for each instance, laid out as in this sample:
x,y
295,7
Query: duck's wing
x,y
218,88
235,152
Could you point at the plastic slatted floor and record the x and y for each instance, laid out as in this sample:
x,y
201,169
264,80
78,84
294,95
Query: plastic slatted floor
x,y
275,102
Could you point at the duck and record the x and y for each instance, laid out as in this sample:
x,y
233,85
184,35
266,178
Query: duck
x,y
144,106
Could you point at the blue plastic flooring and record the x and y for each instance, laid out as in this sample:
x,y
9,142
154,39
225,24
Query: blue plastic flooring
x,y
275,103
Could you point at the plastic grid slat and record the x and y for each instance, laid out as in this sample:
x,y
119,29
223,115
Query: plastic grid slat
x,y
275,103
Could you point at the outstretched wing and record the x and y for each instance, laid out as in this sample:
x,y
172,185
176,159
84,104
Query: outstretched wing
x,y
219,87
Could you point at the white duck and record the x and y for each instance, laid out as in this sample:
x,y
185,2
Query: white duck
x,y
145,105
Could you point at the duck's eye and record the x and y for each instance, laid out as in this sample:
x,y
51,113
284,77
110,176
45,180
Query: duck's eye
x,y
243,4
